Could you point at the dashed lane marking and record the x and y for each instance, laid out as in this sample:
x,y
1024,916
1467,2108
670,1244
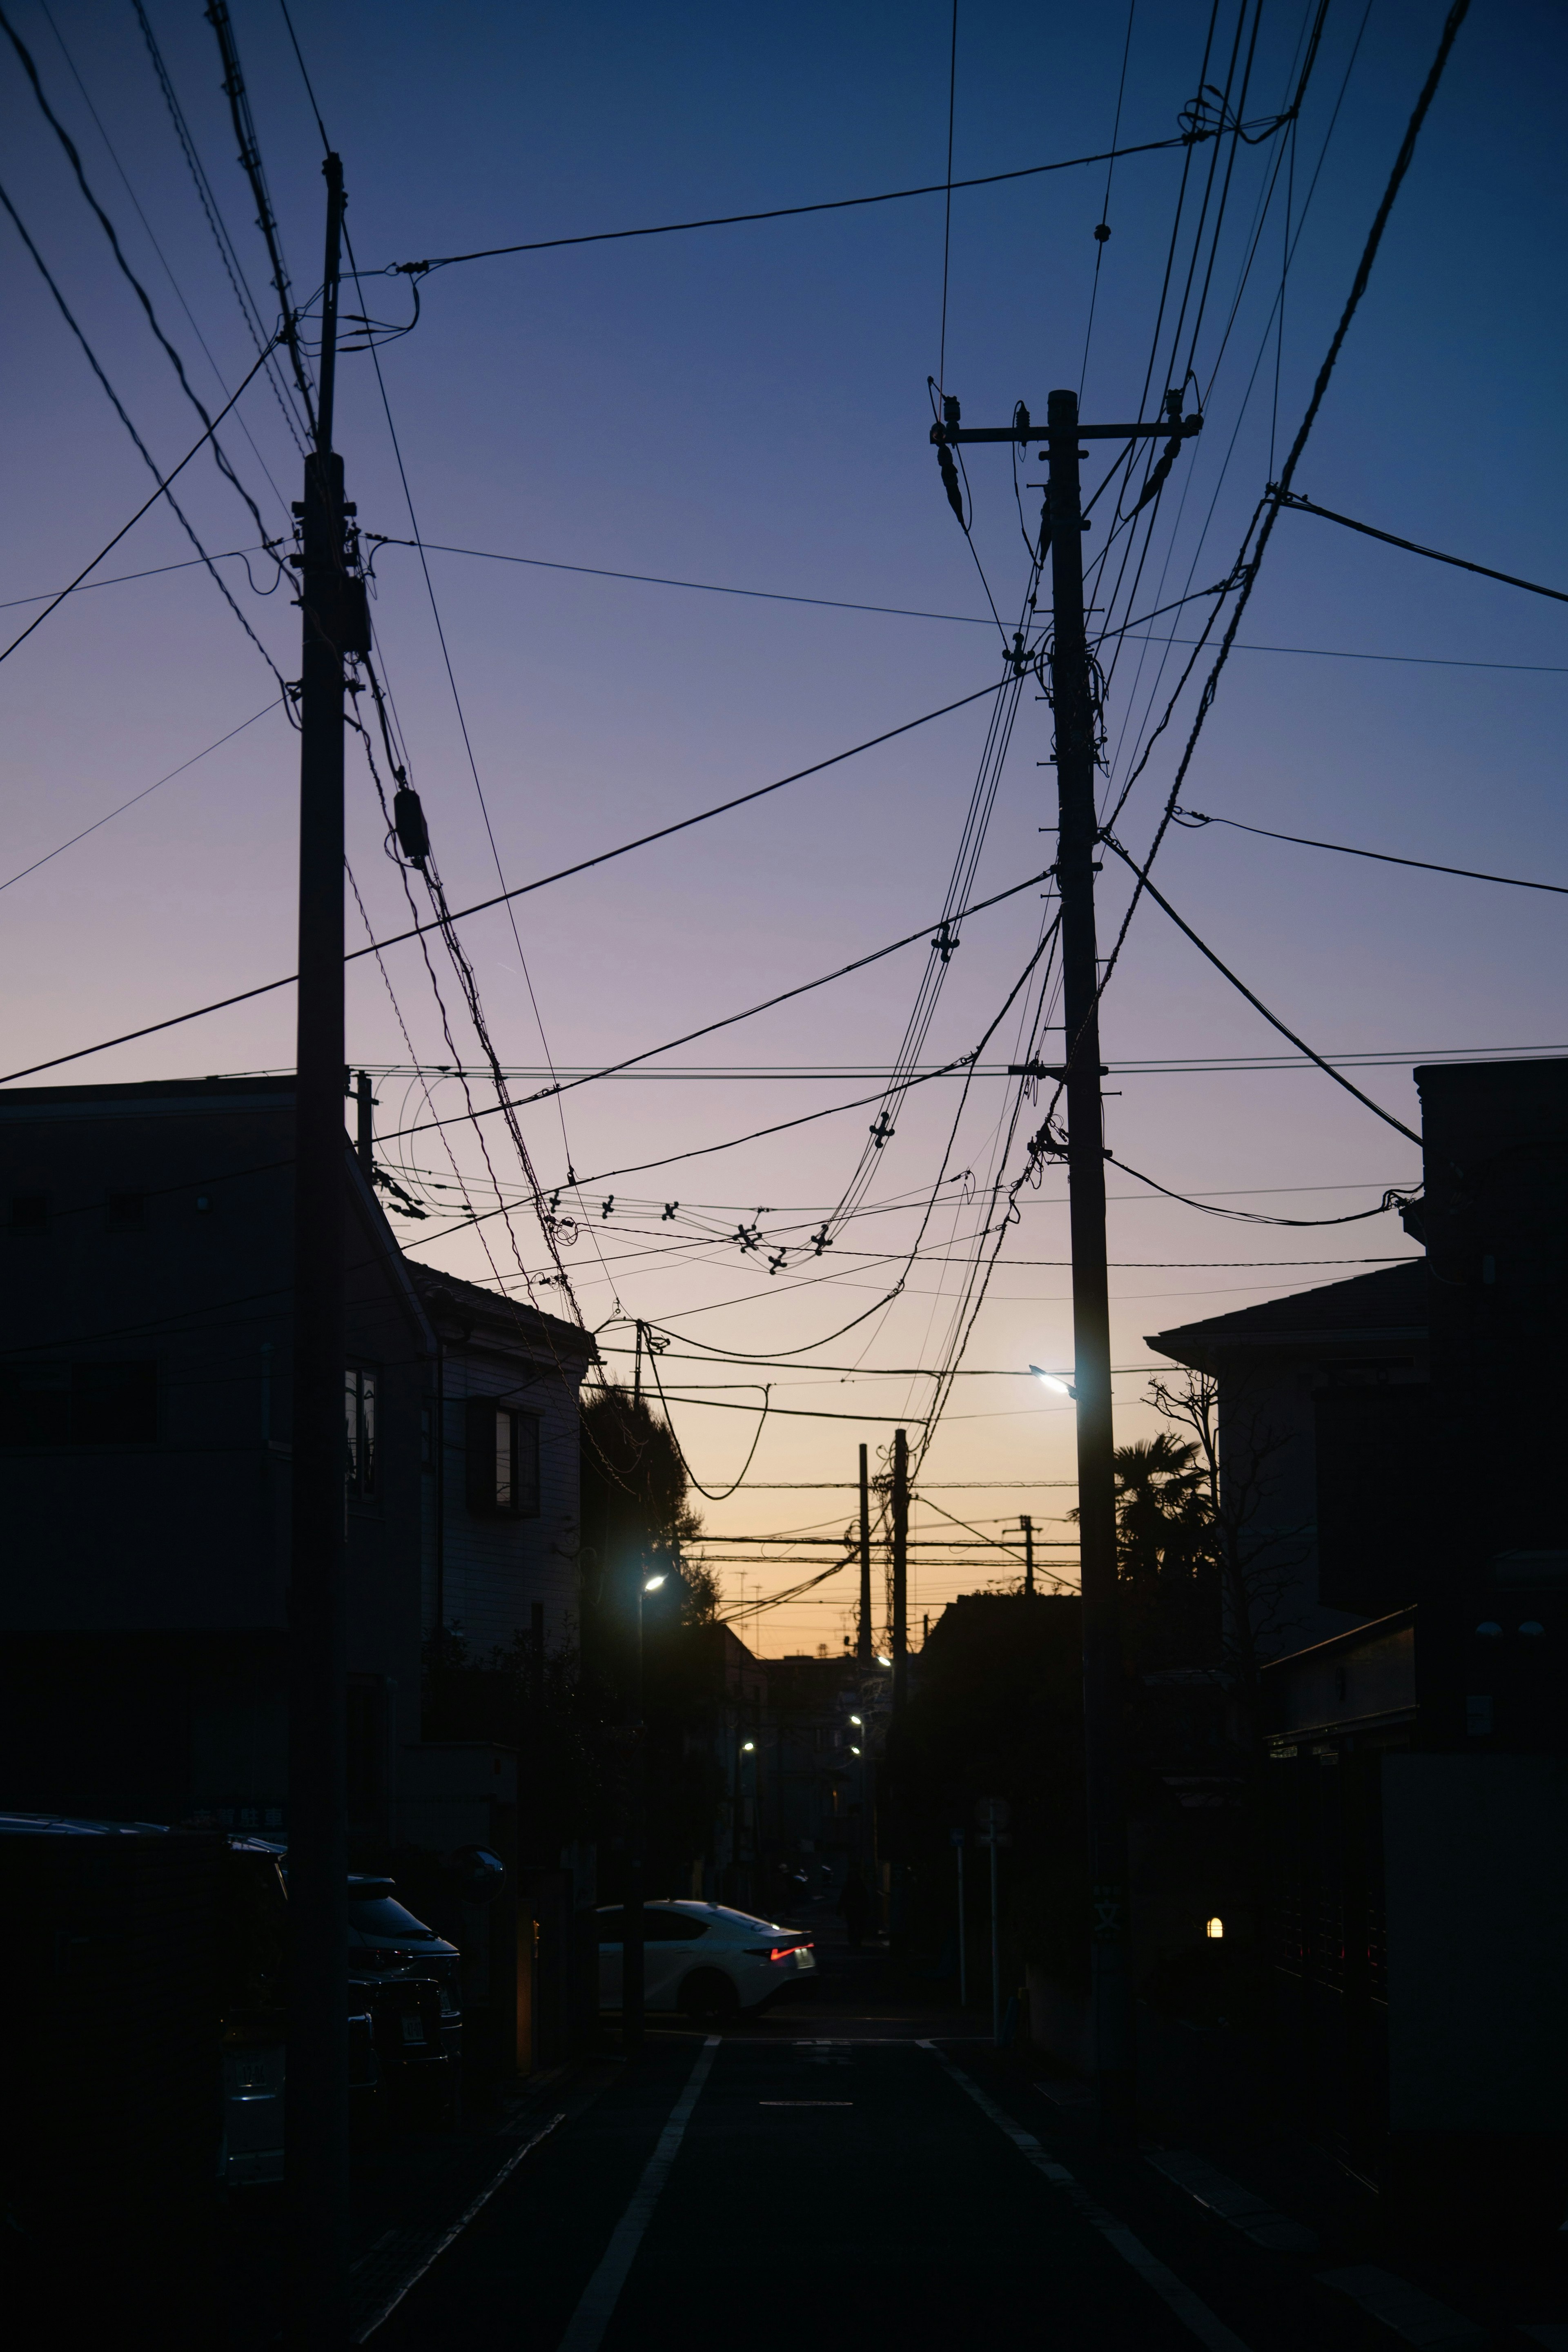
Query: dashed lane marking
x,y
1189,2308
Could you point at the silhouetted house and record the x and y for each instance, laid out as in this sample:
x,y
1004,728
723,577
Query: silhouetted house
x,y
1323,1427
501,1505
1417,1748
144,1428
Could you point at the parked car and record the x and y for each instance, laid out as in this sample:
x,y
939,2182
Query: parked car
x,y
406,1977
704,1959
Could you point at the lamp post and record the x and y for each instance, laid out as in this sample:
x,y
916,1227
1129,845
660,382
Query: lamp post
x,y
632,1973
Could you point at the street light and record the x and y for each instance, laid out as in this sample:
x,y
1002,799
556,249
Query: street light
x,y
881,1661
853,1750
748,1747
631,1963
856,1718
1054,1380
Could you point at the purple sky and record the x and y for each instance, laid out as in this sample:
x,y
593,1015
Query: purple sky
x,y
748,406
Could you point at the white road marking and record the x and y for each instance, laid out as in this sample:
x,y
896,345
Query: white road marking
x,y
1189,2308
588,2322
1231,2202
1419,2318
458,2226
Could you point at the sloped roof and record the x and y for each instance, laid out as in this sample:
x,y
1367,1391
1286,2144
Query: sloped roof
x,y
508,1320
1391,1299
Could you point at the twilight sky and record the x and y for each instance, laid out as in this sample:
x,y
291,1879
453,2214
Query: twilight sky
x,y
747,406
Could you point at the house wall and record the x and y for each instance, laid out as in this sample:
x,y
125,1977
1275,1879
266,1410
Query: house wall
x,y
143,1603
495,1572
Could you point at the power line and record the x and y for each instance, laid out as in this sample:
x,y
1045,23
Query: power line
x,y
1294,500
162,490
1268,509
614,1070
98,823
482,906
702,587
1273,1019
258,337
785,212
1195,817
234,269
121,579
175,362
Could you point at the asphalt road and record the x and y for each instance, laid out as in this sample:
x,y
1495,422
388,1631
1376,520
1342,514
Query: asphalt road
x,y
868,2170
849,2190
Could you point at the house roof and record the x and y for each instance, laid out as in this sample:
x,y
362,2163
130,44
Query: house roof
x,y
1391,1299
508,1321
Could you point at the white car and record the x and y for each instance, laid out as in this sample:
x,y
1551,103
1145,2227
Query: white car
x,y
704,1959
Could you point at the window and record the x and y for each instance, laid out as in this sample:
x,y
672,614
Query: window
x,y
125,1212
359,1432
658,1927
502,1461
78,1405
29,1213
671,1927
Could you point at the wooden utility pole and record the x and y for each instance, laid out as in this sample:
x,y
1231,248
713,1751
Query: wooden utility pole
x,y
317,2125
1072,701
1076,731
863,1645
901,1503
364,1106
1028,1524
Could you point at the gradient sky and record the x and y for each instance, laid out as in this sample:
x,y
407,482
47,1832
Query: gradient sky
x,y
748,406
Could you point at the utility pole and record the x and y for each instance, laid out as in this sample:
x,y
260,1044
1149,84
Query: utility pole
x,y
863,1645
637,1369
900,1570
317,2128
1028,1524
365,1104
1072,702
632,1956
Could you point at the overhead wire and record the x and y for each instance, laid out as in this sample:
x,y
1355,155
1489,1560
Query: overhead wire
x,y
162,480
220,455
1185,139
1268,512
258,337
147,790
1194,818
266,342
482,906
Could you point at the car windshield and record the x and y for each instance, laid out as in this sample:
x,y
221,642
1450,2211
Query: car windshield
x,y
379,1915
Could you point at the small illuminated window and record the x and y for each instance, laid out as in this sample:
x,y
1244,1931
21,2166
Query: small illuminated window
x,y
1214,1929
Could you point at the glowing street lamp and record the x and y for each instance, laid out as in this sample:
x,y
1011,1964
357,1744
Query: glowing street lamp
x,y
1054,1380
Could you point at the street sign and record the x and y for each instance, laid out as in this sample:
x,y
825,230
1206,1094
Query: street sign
x,y
992,1812
957,1836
